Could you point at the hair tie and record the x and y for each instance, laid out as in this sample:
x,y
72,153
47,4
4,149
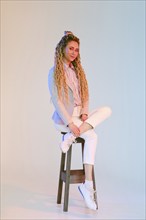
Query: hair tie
x,y
67,33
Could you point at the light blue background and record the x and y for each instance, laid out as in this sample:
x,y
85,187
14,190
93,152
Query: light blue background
x,y
112,35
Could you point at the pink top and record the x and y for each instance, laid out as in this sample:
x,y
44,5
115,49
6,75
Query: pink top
x,y
73,83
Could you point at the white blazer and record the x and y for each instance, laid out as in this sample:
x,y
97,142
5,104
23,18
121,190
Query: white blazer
x,y
63,110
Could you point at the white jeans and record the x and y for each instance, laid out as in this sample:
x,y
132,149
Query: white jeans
x,y
94,118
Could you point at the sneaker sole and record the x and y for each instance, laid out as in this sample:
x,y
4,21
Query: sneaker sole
x,y
80,191
61,149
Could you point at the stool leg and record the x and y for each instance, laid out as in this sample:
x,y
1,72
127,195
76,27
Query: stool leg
x,y
82,153
60,184
67,182
82,159
94,186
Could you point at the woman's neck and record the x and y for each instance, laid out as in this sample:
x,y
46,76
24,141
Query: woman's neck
x,y
66,62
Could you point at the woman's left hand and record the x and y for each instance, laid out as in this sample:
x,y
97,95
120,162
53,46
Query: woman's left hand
x,y
84,117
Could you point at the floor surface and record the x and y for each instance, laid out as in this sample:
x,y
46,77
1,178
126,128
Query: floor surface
x,y
22,203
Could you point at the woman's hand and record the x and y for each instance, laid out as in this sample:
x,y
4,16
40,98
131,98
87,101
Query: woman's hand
x,y
74,129
84,117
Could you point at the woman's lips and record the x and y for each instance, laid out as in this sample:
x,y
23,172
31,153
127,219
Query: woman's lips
x,y
72,57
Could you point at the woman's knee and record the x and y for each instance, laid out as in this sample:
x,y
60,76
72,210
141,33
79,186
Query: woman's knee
x,y
107,110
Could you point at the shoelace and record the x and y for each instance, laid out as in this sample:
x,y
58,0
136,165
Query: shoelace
x,y
92,192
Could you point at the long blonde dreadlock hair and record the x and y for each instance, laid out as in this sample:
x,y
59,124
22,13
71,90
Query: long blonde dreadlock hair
x,y
59,75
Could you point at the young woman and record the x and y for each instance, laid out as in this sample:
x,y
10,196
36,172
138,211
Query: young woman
x,y
69,92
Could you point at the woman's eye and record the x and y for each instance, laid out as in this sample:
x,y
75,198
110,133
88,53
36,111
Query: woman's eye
x,y
76,50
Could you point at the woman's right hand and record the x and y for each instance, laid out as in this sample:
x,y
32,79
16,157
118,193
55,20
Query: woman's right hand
x,y
74,129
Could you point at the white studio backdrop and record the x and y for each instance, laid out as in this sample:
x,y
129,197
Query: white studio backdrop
x,y
112,35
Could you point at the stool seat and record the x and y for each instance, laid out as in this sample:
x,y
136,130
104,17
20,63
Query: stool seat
x,y
69,176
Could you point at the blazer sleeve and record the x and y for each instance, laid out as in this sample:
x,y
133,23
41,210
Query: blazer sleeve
x,y
58,103
85,108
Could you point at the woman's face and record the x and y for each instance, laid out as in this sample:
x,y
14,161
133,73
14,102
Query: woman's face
x,y
71,52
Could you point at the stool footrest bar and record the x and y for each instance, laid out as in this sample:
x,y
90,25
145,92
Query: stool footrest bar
x,y
76,176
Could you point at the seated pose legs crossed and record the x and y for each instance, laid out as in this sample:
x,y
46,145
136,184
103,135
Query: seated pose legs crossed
x,y
69,93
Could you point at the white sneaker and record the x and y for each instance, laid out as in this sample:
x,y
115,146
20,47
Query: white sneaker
x,y
88,195
69,138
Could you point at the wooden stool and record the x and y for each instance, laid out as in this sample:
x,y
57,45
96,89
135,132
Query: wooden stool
x,y
69,176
